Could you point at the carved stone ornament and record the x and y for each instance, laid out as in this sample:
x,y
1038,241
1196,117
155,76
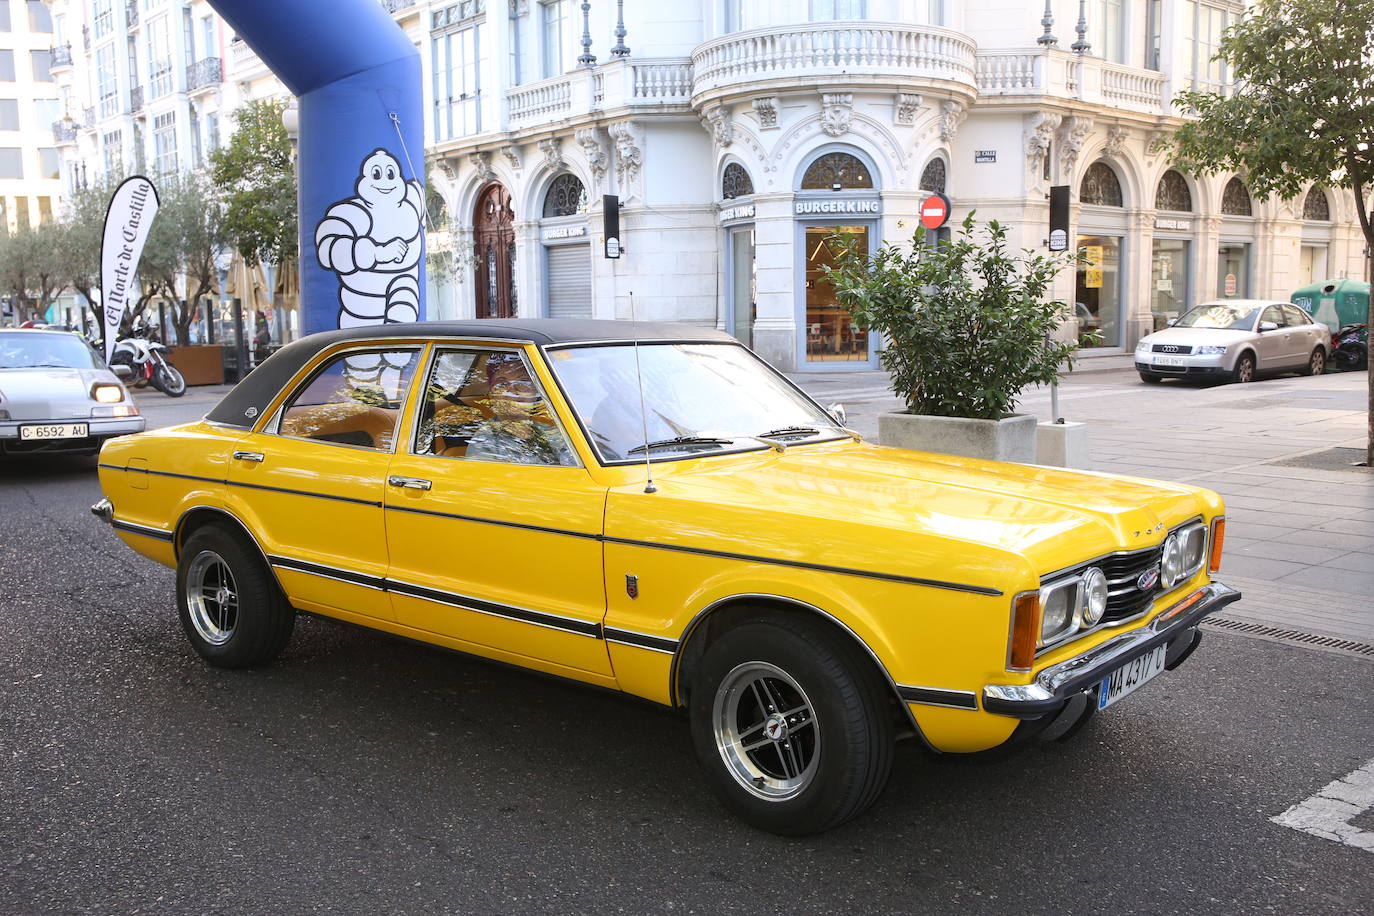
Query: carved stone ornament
x,y
628,156
447,168
908,105
717,121
551,147
1040,128
1075,134
482,163
767,110
951,114
1116,141
519,7
836,110
597,160
512,154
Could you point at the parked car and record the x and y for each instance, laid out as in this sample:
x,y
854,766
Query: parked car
x,y
57,395
731,549
1236,340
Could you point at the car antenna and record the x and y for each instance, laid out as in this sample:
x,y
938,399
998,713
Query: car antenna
x,y
643,416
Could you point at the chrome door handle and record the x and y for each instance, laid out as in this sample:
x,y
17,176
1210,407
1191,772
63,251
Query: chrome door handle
x,y
409,483
249,456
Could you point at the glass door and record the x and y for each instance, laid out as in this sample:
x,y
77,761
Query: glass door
x,y
1097,291
832,337
742,286
1168,281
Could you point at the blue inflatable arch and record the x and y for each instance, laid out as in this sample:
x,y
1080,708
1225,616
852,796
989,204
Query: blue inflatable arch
x,y
357,78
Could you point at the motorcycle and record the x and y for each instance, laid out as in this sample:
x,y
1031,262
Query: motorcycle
x,y
1350,347
147,361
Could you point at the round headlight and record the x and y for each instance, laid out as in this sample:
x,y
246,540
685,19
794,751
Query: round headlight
x,y
1171,566
1094,596
1057,615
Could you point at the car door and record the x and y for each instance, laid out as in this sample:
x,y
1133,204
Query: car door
x,y
1271,347
310,483
1302,334
494,526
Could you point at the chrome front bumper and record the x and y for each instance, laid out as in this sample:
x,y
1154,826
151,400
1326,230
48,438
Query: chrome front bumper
x,y
1057,684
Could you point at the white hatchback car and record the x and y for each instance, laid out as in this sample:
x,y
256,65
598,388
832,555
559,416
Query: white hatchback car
x,y
1235,339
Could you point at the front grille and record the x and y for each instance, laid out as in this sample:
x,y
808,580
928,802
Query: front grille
x,y
1171,348
1124,598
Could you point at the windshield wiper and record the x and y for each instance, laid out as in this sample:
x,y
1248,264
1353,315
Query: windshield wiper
x,y
812,430
680,441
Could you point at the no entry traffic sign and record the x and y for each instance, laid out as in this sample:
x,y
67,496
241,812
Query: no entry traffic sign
x,y
935,211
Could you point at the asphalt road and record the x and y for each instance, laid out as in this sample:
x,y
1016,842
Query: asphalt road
x,y
362,774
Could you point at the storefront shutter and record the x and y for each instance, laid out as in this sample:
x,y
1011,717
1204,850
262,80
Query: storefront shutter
x,y
570,281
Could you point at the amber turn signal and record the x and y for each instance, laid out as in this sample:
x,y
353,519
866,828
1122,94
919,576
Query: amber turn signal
x,y
1218,535
1025,629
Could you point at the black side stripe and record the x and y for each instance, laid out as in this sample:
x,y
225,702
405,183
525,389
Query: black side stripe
x,y
375,503
641,640
510,612
818,567
329,572
939,696
115,467
146,531
591,536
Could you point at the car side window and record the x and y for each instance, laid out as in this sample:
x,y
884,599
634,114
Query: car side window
x,y
353,400
485,405
1272,313
1296,317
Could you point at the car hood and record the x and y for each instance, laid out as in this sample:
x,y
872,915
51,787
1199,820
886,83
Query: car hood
x,y
47,394
896,511
1197,337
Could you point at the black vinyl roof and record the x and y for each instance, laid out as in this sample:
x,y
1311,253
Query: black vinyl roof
x,y
250,397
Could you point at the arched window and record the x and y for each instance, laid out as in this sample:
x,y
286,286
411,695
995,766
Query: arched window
x,y
1101,186
566,196
1316,206
736,182
834,171
1235,200
933,177
1173,193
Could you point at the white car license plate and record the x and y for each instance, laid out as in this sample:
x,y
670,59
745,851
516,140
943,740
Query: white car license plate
x,y
1131,676
54,431
1168,360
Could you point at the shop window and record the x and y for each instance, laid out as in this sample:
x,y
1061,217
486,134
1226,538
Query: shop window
x,y
1173,193
566,196
933,177
1097,291
831,332
1235,200
1316,206
735,182
1101,187
835,172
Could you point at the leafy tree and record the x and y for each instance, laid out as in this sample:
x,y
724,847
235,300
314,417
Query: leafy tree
x,y
83,223
30,268
1302,109
256,175
178,261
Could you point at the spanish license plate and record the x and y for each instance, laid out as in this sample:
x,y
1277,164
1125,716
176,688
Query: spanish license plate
x,y
1168,360
1131,676
54,431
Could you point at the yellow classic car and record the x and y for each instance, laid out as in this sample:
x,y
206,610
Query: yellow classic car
x,y
653,509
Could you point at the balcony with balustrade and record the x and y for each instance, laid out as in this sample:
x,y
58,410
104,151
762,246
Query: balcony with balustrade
x,y
61,57
136,100
640,86
879,54
64,132
131,14
204,75
1021,76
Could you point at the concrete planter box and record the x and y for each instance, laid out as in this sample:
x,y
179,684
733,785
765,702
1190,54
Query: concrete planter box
x,y
1008,439
1063,445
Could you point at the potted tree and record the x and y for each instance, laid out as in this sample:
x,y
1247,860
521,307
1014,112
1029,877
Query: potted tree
x,y
967,324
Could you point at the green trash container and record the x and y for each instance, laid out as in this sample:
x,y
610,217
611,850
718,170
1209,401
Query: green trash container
x,y
1335,303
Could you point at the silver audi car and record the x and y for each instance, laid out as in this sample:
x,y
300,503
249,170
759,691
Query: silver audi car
x,y
58,396
1235,340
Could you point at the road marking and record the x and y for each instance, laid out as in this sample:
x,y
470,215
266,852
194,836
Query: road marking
x,y
1328,813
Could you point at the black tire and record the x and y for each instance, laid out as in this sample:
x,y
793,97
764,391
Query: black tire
x,y
1316,363
838,740
1150,378
169,380
247,626
1245,368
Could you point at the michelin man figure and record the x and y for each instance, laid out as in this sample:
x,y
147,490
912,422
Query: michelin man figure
x,y
372,242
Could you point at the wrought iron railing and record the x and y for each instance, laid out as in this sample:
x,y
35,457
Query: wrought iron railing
x,y
135,99
208,71
64,132
61,56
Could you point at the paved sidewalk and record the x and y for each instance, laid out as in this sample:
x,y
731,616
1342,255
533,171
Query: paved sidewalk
x,y
1300,540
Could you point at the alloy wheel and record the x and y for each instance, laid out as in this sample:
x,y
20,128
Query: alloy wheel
x,y
766,732
212,598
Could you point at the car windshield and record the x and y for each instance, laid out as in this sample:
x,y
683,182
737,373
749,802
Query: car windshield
x,y
699,399
41,350
1220,316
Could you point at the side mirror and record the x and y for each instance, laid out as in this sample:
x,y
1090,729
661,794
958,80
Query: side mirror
x,y
837,411
122,371
1268,326
1172,322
